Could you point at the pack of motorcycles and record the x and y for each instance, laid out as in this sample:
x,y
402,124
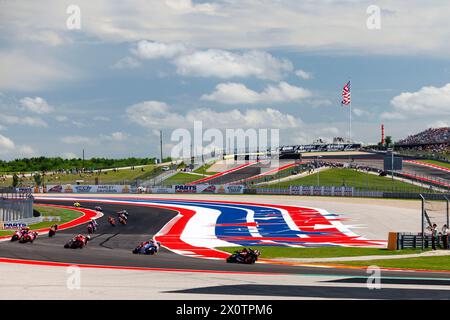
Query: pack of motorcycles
x,y
151,247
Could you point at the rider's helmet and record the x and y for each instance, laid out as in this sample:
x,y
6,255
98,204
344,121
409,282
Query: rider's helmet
x,y
88,238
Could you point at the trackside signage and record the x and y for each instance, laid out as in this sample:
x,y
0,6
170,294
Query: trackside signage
x,y
12,225
88,188
192,189
322,191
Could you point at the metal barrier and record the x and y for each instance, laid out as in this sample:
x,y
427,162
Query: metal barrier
x,y
15,206
414,241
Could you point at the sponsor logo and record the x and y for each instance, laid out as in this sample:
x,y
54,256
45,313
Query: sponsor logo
x,y
15,225
126,189
234,189
221,189
84,189
50,218
209,189
160,190
68,189
106,189
186,189
58,189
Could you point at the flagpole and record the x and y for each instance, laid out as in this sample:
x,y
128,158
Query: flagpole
x,y
350,116
350,132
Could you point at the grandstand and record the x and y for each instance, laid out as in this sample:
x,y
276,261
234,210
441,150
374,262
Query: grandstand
x,y
431,143
429,136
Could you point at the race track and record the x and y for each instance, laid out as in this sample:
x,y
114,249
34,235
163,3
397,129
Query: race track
x,y
111,247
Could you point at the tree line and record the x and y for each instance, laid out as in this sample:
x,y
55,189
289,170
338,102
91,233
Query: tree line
x,y
45,164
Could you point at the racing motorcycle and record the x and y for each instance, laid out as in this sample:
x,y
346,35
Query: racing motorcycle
x,y
28,237
74,243
16,235
122,220
52,230
90,228
77,205
112,221
147,248
98,208
249,256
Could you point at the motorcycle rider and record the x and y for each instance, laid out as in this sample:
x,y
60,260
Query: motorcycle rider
x,y
112,221
94,224
82,239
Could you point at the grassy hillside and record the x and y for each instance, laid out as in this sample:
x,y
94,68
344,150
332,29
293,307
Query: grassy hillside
x,y
181,178
106,177
352,178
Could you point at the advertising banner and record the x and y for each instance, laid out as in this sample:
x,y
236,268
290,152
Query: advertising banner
x,y
185,189
88,188
159,190
230,189
12,225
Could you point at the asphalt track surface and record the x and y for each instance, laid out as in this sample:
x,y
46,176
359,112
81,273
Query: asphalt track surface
x,y
111,246
426,171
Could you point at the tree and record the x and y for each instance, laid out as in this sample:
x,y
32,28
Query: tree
x,y
388,141
15,182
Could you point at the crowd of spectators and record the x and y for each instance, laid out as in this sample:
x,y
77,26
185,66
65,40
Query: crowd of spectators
x,y
432,136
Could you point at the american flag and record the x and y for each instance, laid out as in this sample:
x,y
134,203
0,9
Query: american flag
x,y
346,100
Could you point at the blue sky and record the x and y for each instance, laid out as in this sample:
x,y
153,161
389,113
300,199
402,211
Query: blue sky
x,y
135,68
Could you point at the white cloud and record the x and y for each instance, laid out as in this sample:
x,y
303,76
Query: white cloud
x,y
360,112
115,136
392,116
61,118
237,93
414,27
187,6
31,73
27,121
6,144
225,64
317,103
69,155
77,140
156,50
303,74
155,115
8,147
95,140
36,105
126,63
426,101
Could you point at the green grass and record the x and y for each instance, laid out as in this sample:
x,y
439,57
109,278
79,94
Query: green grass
x,y
203,169
428,263
105,177
65,214
438,163
181,178
352,178
320,252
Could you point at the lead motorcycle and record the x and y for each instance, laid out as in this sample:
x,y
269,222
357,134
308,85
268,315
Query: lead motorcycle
x,y
16,235
28,237
249,256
